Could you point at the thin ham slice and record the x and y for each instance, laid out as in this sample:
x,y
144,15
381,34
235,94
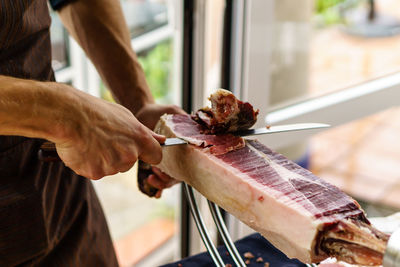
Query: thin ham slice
x,y
194,133
302,215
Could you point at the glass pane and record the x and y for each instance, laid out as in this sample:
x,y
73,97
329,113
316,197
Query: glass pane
x,y
145,15
352,42
325,45
59,43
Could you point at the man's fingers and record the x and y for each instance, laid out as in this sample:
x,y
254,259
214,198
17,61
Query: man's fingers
x,y
150,149
160,138
164,177
168,180
173,109
158,194
154,181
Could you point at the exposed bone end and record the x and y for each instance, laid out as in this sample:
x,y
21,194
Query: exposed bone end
x,y
355,242
226,114
224,105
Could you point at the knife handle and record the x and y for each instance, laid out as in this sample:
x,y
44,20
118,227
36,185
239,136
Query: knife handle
x,y
144,170
48,152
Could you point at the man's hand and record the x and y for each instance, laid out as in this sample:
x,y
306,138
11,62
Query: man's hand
x,y
149,116
91,22
106,139
93,137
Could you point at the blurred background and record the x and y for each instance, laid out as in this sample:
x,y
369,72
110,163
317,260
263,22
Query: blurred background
x,y
332,61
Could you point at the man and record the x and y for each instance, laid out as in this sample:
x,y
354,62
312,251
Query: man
x,y
49,215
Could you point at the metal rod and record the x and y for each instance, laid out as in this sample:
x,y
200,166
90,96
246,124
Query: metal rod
x,y
212,250
216,214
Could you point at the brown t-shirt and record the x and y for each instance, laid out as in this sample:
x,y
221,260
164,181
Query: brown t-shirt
x,y
49,216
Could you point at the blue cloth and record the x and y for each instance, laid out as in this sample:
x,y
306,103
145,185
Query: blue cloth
x,y
57,4
255,244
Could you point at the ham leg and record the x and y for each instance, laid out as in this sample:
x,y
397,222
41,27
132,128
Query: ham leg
x,y
302,215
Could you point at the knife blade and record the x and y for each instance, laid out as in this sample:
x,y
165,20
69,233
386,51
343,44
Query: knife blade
x,y
266,130
48,152
281,129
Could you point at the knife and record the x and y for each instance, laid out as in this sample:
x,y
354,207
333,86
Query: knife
x,y
259,131
48,153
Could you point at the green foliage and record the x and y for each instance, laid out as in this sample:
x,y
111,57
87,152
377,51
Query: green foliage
x,y
322,6
157,66
329,12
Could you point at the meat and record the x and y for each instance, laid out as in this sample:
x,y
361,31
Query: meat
x,y
194,133
299,213
303,216
227,114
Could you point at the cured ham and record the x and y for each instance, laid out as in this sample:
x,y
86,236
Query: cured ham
x,y
302,215
194,134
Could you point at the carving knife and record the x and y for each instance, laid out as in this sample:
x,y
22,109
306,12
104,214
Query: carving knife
x,y
48,152
260,131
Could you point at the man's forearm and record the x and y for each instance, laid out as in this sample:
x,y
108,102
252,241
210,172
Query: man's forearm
x,y
100,28
93,137
36,109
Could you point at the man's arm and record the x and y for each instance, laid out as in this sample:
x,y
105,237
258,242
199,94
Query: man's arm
x,y
100,29
36,109
93,137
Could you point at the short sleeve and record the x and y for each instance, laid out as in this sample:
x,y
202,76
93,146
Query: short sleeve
x,y
57,4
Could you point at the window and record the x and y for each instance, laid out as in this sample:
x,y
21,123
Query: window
x,y
144,16
318,47
352,42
